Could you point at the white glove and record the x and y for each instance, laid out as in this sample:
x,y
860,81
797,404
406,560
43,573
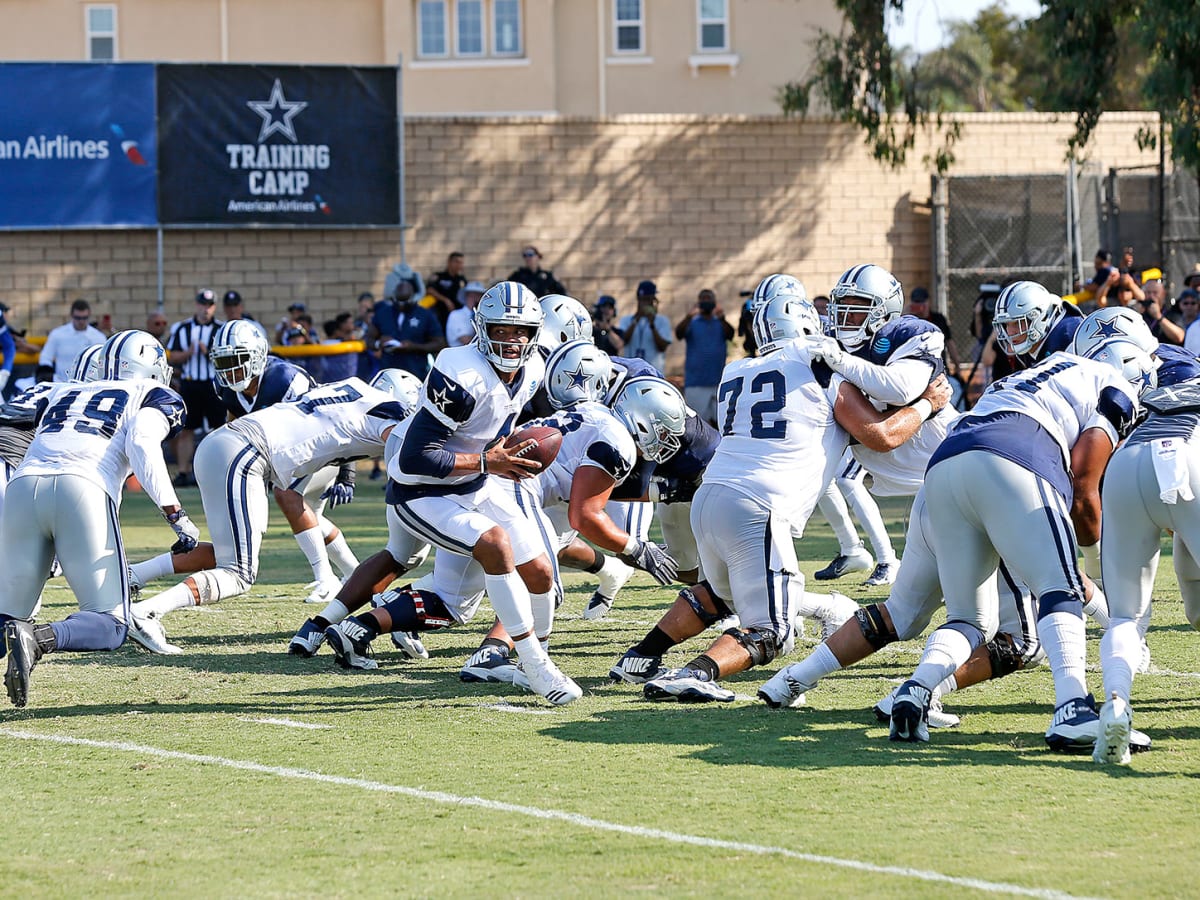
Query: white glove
x,y
827,348
4,376
185,530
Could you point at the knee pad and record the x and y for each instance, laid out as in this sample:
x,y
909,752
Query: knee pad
x,y
874,628
416,610
1059,601
1004,655
697,605
762,645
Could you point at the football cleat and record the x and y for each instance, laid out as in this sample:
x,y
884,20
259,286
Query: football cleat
x,y
1112,738
634,668
409,644
1076,727
885,573
910,714
149,632
839,611
857,560
1145,663
936,716
490,665
548,681
322,591
687,686
23,654
783,691
597,607
307,641
135,589
351,649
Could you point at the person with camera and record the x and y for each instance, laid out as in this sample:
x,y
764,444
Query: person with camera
x,y
604,332
1150,306
707,335
646,333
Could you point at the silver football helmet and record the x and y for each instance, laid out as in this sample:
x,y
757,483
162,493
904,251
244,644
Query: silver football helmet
x,y
87,364
1032,311
782,318
238,353
655,414
1120,337
507,303
772,285
404,386
874,284
575,372
128,355
564,319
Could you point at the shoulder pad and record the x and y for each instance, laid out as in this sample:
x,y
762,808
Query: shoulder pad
x,y
449,398
170,404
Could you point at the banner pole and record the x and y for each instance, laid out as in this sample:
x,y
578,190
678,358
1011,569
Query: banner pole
x,y
159,241
400,150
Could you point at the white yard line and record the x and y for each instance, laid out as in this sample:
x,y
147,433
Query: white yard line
x,y
513,708
674,837
286,723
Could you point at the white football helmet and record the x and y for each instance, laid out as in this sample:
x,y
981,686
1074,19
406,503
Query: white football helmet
x,y
87,365
782,318
1120,337
128,355
507,303
655,414
564,319
238,353
575,372
772,285
872,283
404,386
1034,311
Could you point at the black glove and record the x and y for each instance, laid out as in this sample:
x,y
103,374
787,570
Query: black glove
x,y
185,530
342,490
649,557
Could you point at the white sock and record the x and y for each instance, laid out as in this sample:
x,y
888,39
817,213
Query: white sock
x,y
945,651
833,508
1120,654
159,567
337,550
946,687
815,666
1097,608
335,611
542,606
530,650
867,511
510,600
1064,639
1143,621
312,545
177,597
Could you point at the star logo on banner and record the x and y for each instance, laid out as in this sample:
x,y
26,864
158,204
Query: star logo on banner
x,y
1108,329
277,114
441,399
578,377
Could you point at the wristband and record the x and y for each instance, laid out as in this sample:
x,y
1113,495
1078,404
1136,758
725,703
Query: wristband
x,y
174,517
483,463
631,545
924,407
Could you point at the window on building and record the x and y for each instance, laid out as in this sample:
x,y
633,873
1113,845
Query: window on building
x,y
450,29
469,14
101,24
713,17
629,25
506,29
431,28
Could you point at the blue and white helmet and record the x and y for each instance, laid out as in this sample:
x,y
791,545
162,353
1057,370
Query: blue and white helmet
x,y
784,317
128,355
873,283
1120,337
655,414
404,386
575,372
773,285
1032,309
238,353
563,319
87,364
507,303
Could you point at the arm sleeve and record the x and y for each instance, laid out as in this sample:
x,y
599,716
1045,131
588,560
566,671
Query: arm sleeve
x,y
896,384
423,451
148,430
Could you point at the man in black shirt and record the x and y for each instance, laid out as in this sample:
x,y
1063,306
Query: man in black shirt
x,y
445,286
919,306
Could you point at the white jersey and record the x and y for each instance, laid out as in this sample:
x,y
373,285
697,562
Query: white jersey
x,y
336,421
779,441
94,430
592,436
901,472
465,406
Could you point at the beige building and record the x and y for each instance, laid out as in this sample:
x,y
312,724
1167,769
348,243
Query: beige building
x,y
466,57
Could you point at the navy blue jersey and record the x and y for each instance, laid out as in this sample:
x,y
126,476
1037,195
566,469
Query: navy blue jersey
x,y
696,448
281,381
896,334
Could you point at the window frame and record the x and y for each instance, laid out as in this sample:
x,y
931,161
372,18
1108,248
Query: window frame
x,y
496,52
701,21
446,27
618,24
89,34
459,53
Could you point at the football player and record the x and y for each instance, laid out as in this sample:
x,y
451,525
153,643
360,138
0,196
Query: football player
x,y
64,496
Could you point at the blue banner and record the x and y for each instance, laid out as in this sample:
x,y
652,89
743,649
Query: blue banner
x,y
77,145
277,145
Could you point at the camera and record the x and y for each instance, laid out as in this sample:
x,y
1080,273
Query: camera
x,y
989,293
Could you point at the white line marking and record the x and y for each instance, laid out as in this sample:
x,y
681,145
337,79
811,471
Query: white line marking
x,y
674,837
513,708
287,723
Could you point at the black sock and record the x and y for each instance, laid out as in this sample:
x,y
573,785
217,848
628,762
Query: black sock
x,y
596,565
321,622
705,663
496,642
370,623
656,643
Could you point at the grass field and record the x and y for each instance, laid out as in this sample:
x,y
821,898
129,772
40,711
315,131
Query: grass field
x,y
238,770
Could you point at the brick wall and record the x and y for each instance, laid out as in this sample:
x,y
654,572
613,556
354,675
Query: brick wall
x,y
689,202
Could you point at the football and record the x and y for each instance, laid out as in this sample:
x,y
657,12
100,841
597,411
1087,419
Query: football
x,y
548,439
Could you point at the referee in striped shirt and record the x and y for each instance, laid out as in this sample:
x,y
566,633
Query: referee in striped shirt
x,y
187,350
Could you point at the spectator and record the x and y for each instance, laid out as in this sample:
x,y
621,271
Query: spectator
x,y
1189,306
1192,279
339,366
446,287
706,333
745,328
289,322
157,326
235,308
304,332
1111,282
604,333
646,333
919,306
402,332
533,276
187,348
460,326
367,364
8,346
403,272
65,343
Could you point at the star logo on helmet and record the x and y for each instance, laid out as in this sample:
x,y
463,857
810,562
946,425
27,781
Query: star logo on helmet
x,y
1111,328
578,377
